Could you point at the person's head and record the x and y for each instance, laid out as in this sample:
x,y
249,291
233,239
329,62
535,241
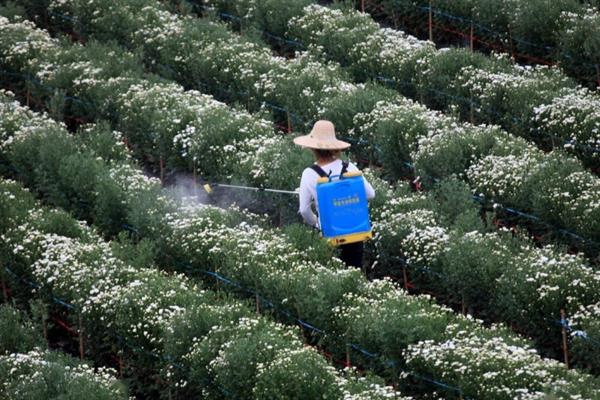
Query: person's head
x,y
322,141
326,155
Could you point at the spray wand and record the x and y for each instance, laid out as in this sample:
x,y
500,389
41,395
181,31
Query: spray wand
x,y
208,188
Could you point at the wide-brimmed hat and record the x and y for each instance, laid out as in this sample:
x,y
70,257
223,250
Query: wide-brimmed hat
x,y
322,136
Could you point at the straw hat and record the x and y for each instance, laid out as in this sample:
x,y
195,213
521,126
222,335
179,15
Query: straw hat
x,y
322,136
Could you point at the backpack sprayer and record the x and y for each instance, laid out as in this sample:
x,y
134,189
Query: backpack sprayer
x,y
342,206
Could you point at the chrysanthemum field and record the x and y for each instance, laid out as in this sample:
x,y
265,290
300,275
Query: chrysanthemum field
x,y
482,280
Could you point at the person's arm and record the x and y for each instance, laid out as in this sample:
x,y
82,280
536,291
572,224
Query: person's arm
x,y
368,188
306,200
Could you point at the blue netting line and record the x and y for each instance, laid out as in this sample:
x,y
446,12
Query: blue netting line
x,y
580,334
33,285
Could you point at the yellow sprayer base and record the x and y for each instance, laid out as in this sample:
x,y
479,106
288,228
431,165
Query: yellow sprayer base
x,y
353,238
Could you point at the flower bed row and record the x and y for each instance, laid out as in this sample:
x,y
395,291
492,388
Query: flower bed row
x,y
539,104
176,338
188,231
493,274
543,313
27,370
140,197
565,32
220,60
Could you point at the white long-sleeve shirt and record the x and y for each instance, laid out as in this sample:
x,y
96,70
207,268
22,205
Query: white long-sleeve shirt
x,y
308,189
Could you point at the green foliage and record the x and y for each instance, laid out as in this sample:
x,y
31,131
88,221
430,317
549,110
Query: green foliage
x,y
436,84
232,78
389,321
335,31
233,355
137,254
198,320
301,85
266,15
394,140
38,160
536,24
53,220
509,98
455,207
579,44
302,374
12,10
545,187
308,241
341,107
55,164
586,331
18,334
89,76
445,154
104,142
471,266
274,164
534,281
110,209
14,205
116,22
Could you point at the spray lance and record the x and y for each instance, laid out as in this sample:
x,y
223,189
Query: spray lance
x,y
207,187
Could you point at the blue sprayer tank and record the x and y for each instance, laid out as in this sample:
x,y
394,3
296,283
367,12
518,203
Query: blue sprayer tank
x,y
343,209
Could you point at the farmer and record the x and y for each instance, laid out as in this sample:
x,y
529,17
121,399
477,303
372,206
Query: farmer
x,y
327,149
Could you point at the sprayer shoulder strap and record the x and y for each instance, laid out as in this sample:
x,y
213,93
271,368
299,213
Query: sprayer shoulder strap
x,y
319,171
344,168
322,173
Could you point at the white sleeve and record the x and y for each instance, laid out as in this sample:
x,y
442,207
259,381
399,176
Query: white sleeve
x,y
306,200
368,188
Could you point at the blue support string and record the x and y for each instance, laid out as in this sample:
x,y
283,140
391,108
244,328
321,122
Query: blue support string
x,y
292,42
36,286
580,334
62,16
393,364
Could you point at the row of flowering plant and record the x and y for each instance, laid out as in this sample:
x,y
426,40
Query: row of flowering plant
x,y
568,37
90,173
342,303
488,90
160,322
585,329
27,370
493,274
109,83
288,88
42,374
416,239
496,165
255,260
250,163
